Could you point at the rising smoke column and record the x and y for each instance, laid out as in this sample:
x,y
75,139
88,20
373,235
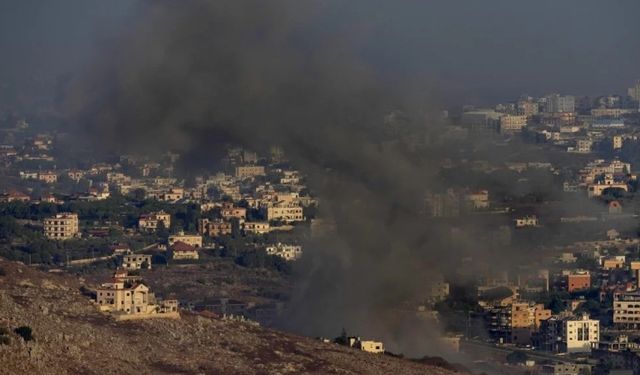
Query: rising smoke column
x,y
194,75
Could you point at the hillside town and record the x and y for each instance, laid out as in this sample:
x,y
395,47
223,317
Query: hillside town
x,y
566,199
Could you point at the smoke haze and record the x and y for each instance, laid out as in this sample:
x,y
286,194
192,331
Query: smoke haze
x,y
321,79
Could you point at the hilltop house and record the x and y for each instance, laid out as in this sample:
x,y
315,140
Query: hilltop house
x,y
131,300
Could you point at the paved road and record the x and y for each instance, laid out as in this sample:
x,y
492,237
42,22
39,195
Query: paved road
x,y
535,355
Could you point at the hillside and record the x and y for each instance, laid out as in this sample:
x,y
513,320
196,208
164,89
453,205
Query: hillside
x,y
71,337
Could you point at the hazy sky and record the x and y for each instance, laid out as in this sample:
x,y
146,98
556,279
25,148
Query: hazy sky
x,y
488,50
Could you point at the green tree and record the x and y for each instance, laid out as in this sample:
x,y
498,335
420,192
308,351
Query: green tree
x,y
24,332
516,358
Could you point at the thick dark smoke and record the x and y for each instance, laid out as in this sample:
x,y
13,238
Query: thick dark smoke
x,y
194,75
191,78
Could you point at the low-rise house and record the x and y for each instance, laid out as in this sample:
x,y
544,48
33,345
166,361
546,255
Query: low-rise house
x,y
566,369
49,198
172,195
14,196
75,174
136,261
618,344
97,193
194,240
285,251
29,175
150,222
183,251
120,249
370,346
256,227
527,221
612,263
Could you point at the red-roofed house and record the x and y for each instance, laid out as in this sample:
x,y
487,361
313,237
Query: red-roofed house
x,y
14,196
180,250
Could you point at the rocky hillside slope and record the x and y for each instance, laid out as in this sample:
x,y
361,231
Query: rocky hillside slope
x,y
71,337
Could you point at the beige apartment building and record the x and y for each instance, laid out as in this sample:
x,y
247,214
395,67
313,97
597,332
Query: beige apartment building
x,y
214,228
250,171
286,214
626,310
61,226
233,213
512,123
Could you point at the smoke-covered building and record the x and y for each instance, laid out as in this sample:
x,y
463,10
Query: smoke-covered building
x,y
634,92
560,103
486,120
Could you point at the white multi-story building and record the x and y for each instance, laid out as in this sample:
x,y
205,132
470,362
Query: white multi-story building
x,y
580,334
569,334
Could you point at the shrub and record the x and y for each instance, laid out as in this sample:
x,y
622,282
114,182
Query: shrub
x,y
2,272
515,358
24,332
